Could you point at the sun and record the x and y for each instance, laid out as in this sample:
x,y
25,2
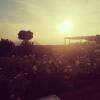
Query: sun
x,y
66,26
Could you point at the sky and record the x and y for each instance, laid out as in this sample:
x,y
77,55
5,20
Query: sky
x,y
45,17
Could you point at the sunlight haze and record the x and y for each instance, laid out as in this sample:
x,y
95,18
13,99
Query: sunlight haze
x,y
49,20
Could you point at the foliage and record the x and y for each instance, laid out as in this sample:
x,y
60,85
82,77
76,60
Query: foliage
x,y
6,47
25,48
25,35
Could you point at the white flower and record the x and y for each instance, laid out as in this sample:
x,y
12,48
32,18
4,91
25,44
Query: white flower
x,y
18,98
66,77
1,68
50,61
77,62
34,68
48,71
70,69
89,64
12,96
69,66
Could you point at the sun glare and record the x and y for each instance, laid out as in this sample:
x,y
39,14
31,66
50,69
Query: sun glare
x,y
66,26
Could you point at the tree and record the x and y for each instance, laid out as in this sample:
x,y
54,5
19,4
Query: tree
x,y
25,47
6,47
25,35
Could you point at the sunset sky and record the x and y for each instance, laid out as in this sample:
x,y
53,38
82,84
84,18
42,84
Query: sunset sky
x,y
46,18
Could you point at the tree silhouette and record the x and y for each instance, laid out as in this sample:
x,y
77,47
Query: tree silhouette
x,y
25,35
6,47
25,47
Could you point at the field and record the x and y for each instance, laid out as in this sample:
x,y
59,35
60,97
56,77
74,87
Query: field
x,y
71,72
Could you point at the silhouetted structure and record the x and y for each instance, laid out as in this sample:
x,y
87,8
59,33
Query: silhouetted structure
x,y
87,38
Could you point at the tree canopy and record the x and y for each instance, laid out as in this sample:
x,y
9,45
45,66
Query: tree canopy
x,y
25,35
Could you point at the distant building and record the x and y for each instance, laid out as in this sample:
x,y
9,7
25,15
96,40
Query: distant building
x,y
87,38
